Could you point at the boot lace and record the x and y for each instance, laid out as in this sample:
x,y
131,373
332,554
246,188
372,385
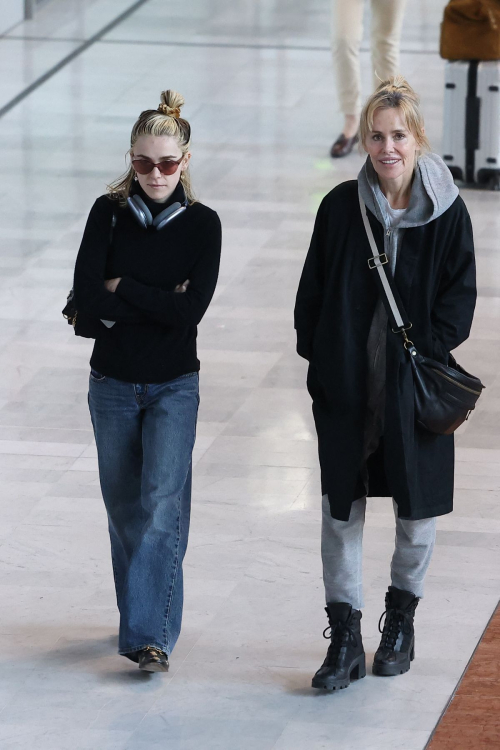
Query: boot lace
x,y
154,653
340,634
396,621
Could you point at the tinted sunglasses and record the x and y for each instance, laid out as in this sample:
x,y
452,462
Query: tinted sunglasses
x,y
166,167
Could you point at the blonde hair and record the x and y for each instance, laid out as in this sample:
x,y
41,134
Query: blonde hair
x,y
395,93
165,120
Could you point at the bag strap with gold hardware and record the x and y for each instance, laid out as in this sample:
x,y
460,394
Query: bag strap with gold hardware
x,y
389,293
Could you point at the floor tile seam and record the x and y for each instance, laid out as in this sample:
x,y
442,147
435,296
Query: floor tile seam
x,y
221,45
61,39
41,427
71,56
62,455
457,687
238,45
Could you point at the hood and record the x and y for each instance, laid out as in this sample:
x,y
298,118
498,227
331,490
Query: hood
x,y
432,193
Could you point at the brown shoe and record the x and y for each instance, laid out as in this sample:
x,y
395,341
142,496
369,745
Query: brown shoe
x,y
343,146
153,660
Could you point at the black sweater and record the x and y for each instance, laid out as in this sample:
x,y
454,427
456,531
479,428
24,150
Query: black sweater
x,y
154,337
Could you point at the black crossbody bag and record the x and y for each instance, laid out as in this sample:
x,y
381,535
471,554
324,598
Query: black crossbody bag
x,y
445,395
86,327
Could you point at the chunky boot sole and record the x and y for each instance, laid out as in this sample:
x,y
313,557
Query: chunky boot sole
x,y
393,670
357,671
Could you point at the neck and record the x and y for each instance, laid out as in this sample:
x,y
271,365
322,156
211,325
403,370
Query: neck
x,y
161,200
397,191
166,198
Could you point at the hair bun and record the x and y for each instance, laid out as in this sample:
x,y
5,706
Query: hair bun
x,y
171,103
169,111
398,85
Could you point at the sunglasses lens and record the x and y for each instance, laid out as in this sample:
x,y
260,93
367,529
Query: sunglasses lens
x,y
142,166
168,167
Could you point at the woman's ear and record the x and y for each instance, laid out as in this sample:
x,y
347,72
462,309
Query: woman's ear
x,y
185,162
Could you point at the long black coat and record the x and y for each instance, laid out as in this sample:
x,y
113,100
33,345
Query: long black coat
x,y
336,299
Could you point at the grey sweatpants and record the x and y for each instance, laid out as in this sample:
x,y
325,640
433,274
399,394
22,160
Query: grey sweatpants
x,y
341,552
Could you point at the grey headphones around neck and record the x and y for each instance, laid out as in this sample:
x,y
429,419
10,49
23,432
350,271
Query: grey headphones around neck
x,y
144,217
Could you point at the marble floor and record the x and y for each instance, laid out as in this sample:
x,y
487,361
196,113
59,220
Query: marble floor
x,y
257,79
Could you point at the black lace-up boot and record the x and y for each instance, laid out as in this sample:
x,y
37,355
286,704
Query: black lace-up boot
x,y
345,658
397,645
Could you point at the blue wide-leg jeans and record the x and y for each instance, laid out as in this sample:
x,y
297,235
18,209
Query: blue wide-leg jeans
x,y
145,436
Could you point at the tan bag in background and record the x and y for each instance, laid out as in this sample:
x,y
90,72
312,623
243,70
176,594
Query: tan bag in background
x,y
471,30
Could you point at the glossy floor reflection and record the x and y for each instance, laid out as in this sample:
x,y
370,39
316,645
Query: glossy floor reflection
x,y
259,93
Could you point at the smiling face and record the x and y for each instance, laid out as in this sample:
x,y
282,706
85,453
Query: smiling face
x,y
155,149
391,146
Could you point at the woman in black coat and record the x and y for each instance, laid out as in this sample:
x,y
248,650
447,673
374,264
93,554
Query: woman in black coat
x,y
360,377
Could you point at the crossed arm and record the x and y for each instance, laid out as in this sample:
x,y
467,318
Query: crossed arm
x,y
127,300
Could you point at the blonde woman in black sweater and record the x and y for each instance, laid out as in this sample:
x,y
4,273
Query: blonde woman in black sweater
x,y
145,293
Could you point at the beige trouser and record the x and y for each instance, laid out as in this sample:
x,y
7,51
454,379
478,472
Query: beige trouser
x,y
347,33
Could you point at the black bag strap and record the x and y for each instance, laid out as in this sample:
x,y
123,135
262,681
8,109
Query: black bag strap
x,y
110,323
111,229
398,317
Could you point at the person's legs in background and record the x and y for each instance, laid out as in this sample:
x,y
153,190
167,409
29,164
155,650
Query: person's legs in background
x,y
347,33
387,22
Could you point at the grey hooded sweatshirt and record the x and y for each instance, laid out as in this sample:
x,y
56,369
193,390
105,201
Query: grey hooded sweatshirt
x,y
433,192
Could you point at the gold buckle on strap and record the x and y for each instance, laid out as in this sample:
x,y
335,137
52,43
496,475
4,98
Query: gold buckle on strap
x,y
382,260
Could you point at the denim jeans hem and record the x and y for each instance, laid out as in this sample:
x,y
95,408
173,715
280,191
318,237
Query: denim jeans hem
x,y
131,653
